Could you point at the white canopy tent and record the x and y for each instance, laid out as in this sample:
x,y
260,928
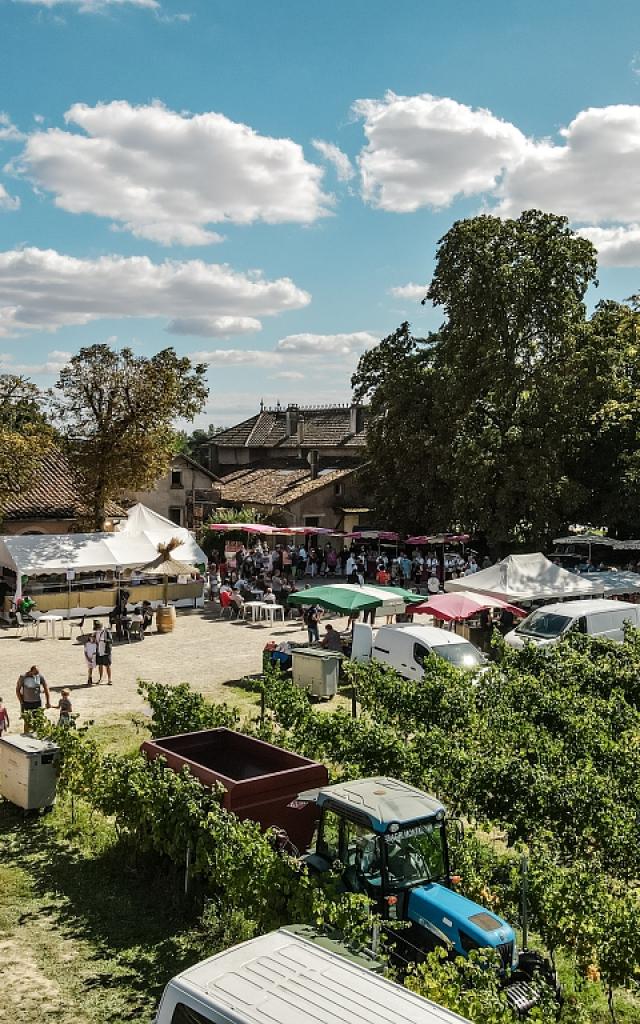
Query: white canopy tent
x,y
526,578
135,545
142,522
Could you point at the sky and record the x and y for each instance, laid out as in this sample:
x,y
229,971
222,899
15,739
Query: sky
x,y
262,184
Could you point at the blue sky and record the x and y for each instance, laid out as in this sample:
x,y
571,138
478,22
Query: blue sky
x,y
135,207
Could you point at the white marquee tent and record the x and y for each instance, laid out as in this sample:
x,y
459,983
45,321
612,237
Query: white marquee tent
x,y
132,547
526,578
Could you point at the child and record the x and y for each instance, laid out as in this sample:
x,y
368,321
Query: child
x,y
4,718
90,652
65,708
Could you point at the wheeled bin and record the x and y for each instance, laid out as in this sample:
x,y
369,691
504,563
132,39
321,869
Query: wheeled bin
x,y
317,671
28,771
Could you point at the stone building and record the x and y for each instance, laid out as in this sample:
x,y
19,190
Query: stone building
x,y
52,505
296,465
187,494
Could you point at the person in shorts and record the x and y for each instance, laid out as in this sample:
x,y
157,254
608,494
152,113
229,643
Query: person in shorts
x,y
104,640
29,690
65,708
90,655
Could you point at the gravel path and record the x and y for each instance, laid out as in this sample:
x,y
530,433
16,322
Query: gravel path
x,y
210,654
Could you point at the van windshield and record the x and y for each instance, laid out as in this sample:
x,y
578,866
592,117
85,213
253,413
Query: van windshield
x,y
461,655
543,625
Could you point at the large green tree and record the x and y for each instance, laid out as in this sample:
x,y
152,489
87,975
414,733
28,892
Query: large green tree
x,y
25,435
488,402
606,442
116,413
513,295
405,471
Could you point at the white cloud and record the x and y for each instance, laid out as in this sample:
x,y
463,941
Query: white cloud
x,y
288,375
214,326
409,291
294,348
425,150
237,357
594,177
8,130
93,6
54,363
167,176
45,290
323,344
335,156
617,247
8,202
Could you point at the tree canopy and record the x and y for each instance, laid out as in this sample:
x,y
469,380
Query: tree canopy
x,y
25,435
116,413
496,422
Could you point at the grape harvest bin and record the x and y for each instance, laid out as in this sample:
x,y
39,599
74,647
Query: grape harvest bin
x,y
261,781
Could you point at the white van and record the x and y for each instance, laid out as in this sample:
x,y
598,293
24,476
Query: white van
x,y
282,978
549,624
405,646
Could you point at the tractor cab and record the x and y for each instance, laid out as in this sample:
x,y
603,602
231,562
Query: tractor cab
x,y
388,836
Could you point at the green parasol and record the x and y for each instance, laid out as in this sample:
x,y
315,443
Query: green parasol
x,y
345,597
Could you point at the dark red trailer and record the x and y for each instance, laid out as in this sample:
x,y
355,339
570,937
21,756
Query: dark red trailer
x,y
261,781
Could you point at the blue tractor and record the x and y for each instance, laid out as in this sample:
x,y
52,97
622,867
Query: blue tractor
x,y
391,842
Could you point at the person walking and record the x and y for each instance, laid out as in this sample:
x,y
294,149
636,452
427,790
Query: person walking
x,y
65,708
90,653
311,620
104,642
29,690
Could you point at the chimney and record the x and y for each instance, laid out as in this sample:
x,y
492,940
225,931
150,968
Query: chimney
x,y
291,420
301,430
356,418
313,458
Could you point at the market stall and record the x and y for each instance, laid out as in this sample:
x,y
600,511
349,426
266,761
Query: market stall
x,y
525,578
78,574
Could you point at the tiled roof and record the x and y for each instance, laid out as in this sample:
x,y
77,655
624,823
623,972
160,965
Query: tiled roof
x,y
277,486
197,466
53,496
323,427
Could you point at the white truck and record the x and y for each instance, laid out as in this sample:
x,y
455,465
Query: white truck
x,y
283,978
405,646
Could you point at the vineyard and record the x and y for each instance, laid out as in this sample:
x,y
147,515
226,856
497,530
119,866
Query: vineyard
x,y
540,755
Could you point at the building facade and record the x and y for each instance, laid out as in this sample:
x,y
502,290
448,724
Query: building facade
x,y
296,465
187,494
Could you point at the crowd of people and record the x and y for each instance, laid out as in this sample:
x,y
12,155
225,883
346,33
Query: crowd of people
x,y
272,574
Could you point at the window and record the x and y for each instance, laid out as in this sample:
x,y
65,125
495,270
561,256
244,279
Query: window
x,y
175,514
420,652
185,1015
312,520
338,488
176,478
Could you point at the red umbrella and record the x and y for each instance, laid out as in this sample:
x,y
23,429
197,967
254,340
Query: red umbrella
x,y
462,604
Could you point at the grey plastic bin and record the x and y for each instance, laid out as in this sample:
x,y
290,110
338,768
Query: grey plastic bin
x,y
317,671
28,771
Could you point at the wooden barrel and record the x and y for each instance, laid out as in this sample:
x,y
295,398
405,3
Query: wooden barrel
x,y
165,618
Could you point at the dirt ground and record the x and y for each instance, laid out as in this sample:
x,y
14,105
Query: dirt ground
x,y
210,654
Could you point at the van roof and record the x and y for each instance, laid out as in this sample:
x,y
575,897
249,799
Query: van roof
x,y
588,607
431,635
281,978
